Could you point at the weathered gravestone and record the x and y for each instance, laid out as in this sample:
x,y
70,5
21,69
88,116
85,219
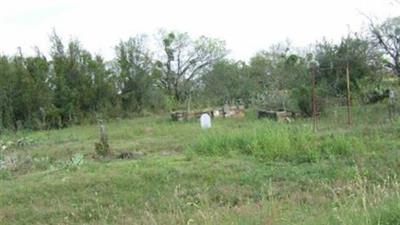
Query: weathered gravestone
x,y
392,97
226,110
205,121
392,103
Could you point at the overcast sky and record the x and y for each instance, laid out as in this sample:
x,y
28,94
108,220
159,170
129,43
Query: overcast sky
x,y
246,25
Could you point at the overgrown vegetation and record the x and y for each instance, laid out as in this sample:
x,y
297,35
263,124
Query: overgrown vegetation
x,y
102,147
241,171
278,142
72,86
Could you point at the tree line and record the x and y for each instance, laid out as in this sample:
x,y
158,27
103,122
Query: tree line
x,y
70,85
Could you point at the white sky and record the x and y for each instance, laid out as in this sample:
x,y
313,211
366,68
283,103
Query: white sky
x,y
246,25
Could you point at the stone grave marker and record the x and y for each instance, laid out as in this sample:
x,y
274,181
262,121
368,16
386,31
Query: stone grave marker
x,y
205,121
226,110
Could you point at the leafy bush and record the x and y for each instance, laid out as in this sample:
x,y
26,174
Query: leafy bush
x,y
376,95
302,96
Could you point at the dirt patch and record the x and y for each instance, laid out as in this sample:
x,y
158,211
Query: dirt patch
x,y
148,130
168,153
130,155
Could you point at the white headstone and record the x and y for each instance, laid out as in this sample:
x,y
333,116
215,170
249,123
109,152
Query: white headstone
x,y
391,97
391,94
205,121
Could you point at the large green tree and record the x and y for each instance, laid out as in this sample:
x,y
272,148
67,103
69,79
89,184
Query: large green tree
x,y
81,83
133,67
354,52
278,72
228,81
185,59
24,92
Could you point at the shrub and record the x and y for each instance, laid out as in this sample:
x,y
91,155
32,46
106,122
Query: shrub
x,y
302,96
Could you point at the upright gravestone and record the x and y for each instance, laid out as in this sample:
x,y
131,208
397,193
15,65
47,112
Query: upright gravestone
x,y
226,110
392,102
205,121
392,97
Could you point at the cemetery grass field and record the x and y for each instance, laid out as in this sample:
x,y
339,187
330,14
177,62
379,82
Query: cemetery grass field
x,y
241,171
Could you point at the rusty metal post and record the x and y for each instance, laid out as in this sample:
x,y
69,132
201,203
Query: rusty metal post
x,y
314,98
349,118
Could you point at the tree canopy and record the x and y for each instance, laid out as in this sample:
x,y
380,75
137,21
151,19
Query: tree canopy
x,y
71,85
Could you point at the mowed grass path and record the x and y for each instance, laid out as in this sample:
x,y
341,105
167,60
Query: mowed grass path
x,y
173,184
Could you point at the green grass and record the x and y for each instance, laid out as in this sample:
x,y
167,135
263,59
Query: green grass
x,y
241,171
270,141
